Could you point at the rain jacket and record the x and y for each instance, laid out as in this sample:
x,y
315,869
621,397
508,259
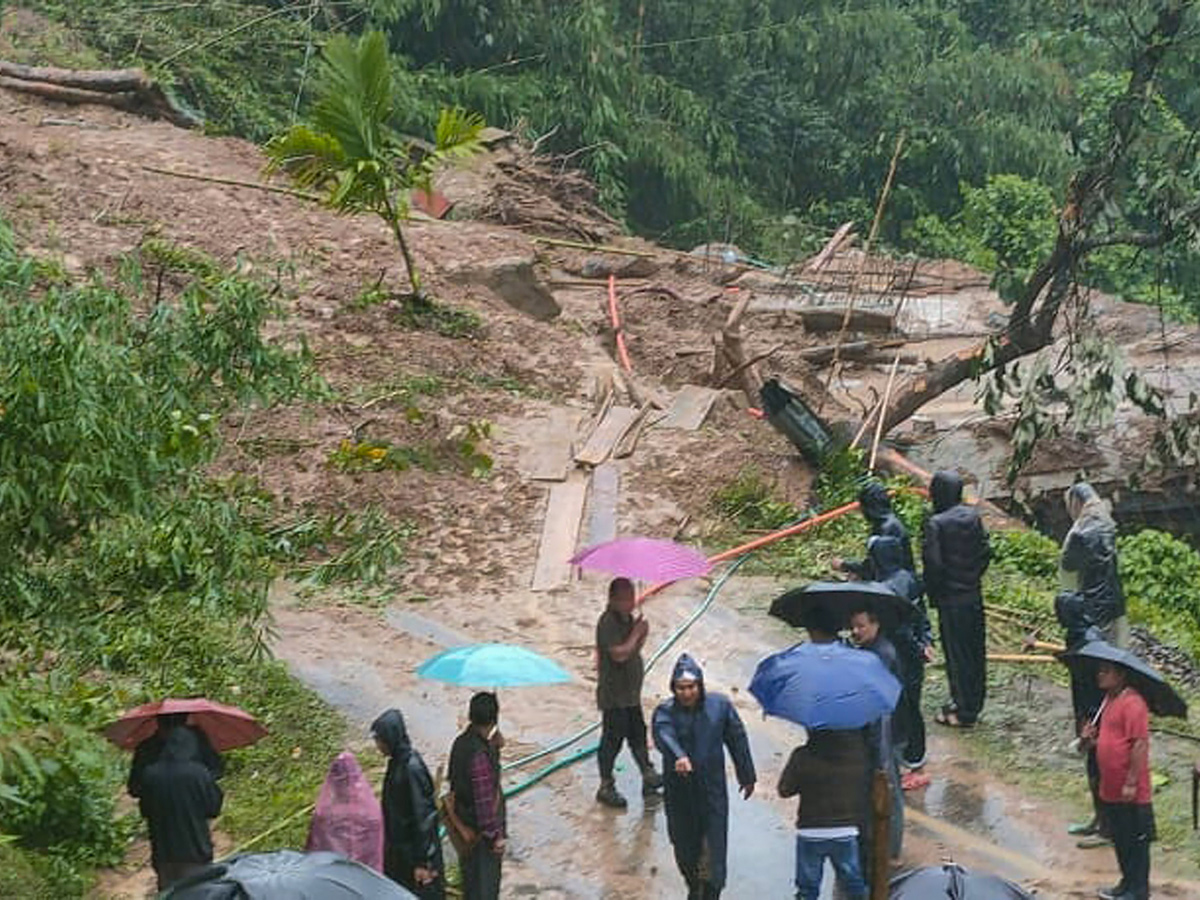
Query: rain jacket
x,y
1072,613
698,804
151,748
956,548
1089,556
877,509
886,556
410,819
347,819
178,797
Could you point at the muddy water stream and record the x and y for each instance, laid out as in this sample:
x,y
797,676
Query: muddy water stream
x,y
562,844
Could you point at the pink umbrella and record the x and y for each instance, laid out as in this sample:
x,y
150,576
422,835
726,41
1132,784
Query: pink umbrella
x,y
645,559
225,726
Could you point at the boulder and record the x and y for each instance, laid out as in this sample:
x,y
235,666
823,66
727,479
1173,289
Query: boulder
x,y
513,280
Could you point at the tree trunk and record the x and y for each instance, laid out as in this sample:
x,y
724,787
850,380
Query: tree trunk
x,y
410,265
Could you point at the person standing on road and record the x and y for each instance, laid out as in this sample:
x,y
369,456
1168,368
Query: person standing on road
x,y
476,806
876,508
177,796
692,730
412,850
619,640
1088,563
956,553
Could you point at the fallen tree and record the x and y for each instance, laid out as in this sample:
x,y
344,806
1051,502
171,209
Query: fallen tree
x,y
1086,222
131,90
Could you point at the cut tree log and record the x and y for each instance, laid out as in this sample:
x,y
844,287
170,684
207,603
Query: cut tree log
x,y
105,80
734,351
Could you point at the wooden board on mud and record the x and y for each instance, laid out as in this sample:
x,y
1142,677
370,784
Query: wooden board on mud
x,y
610,430
602,507
560,531
690,409
554,440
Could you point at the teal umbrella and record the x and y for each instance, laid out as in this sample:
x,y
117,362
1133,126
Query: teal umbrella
x,y
492,666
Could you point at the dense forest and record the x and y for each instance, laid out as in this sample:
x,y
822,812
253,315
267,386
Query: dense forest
x,y
765,123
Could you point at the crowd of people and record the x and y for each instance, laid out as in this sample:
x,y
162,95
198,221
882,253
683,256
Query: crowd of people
x,y
175,772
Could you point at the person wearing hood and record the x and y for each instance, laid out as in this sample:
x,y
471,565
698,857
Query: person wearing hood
x,y
692,730
177,796
956,553
151,748
412,850
876,508
1089,562
347,818
913,640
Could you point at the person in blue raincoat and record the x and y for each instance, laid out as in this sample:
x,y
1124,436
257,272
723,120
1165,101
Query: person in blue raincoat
x,y
691,731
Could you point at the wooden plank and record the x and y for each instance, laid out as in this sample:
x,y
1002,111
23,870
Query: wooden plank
x,y
610,430
554,440
690,409
560,531
602,504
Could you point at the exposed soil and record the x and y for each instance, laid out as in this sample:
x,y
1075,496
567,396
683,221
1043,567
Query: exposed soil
x,y
77,193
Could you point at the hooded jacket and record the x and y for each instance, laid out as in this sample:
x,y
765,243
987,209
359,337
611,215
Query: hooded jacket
x,y
956,549
410,819
1089,555
876,508
178,797
887,561
698,804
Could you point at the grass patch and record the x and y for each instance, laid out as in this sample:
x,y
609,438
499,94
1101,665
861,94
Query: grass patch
x,y
442,319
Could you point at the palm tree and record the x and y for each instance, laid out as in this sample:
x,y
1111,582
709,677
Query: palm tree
x,y
351,153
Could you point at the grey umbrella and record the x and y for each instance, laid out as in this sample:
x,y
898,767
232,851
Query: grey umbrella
x,y
288,875
1159,696
952,882
840,598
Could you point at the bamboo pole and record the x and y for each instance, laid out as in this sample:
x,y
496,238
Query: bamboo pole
x,y
887,393
233,182
597,248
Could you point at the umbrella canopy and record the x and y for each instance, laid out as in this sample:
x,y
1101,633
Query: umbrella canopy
x,y
951,882
226,727
644,559
841,598
825,686
1159,696
492,666
288,875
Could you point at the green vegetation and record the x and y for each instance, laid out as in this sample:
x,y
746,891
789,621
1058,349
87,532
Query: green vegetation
x,y
132,573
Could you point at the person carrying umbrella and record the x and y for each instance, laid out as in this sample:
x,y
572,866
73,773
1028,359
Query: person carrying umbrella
x,y
177,795
692,730
619,639
956,553
412,850
1122,741
149,750
476,806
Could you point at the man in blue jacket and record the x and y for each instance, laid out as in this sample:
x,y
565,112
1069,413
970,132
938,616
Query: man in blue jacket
x,y
692,730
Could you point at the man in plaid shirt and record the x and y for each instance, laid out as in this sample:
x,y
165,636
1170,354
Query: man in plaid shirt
x,y
478,798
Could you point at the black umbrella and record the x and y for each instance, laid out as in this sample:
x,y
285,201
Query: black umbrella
x,y
841,598
288,875
1159,696
952,882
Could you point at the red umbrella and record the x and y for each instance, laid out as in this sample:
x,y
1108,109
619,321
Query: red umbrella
x,y
225,726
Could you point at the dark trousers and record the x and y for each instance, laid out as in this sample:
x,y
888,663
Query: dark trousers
x,y
625,723
1132,827
964,642
170,873
910,724
480,873
1099,808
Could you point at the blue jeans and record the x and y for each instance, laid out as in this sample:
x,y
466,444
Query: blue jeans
x,y
810,866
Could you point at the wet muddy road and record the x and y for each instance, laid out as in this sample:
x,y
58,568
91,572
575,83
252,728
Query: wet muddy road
x,y
562,844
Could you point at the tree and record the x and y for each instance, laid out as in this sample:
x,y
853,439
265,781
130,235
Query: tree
x,y
1091,218
352,153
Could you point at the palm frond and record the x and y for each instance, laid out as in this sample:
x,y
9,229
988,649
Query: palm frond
x,y
457,134
312,159
355,98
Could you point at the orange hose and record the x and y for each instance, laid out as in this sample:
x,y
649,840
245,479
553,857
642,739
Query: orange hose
x,y
622,352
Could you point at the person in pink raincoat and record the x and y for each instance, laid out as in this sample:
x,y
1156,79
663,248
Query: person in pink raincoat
x,y
348,819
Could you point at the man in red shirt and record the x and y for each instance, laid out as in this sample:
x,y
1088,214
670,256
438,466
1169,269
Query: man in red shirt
x,y
1123,756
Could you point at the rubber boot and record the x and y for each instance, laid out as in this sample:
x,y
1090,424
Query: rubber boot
x,y
610,796
652,782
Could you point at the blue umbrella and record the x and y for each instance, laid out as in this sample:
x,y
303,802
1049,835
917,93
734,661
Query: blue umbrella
x,y
825,686
492,666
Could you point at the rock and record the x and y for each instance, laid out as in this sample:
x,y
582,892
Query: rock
x,y
602,267
514,281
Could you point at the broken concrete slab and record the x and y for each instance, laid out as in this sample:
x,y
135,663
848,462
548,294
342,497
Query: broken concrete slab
x,y
513,280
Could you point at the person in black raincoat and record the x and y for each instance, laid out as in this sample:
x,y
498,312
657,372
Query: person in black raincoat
x,y
956,553
412,850
151,748
177,797
877,509
691,730
913,640
1089,563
